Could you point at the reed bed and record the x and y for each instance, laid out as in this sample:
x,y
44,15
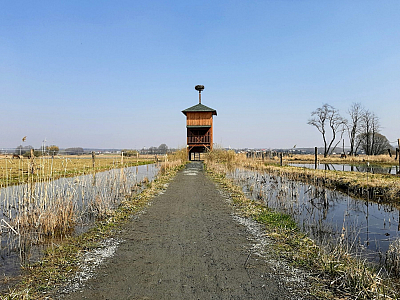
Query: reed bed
x,y
49,204
61,259
335,271
54,207
381,187
383,159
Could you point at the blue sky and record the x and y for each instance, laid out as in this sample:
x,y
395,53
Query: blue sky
x,y
117,74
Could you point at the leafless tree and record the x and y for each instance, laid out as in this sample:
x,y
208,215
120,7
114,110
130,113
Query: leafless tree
x,y
326,116
356,112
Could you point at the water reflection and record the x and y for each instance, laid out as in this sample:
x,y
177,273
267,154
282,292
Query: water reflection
x,y
329,217
90,196
374,169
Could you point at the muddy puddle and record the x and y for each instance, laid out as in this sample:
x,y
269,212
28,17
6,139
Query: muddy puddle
x,y
374,169
329,217
88,196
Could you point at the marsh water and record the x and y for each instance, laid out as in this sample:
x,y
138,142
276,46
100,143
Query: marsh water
x,y
90,196
329,217
374,169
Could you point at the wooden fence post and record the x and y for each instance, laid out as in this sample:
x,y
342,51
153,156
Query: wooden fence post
x,y
93,159
316,157
32,161
398,145
280,158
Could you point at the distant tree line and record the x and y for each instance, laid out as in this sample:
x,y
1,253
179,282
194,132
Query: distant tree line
x,y
51,150
74,151
26,151
129,152
362,128
162,149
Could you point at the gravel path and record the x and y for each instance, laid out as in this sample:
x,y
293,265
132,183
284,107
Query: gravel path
x,y
187,245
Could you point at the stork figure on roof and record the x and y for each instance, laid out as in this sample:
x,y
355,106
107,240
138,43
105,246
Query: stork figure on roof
x,y
199,88
199,126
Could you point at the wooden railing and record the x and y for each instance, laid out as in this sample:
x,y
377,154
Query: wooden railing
x,y
198,140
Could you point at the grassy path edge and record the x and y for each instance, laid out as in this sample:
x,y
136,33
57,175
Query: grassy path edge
x,y
61,261
336,274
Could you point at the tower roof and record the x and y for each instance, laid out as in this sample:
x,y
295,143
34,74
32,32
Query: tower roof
x,y
199,108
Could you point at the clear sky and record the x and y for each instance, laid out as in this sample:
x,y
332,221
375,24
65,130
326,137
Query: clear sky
x,y
117,74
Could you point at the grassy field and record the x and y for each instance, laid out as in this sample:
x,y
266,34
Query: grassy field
x,y
16,171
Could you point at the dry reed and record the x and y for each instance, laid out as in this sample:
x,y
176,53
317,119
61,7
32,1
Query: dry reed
x,y
334,269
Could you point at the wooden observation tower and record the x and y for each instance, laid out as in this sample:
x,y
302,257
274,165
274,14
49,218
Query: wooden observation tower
x,y
199,126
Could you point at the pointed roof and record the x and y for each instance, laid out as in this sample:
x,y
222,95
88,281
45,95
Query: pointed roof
x,y
199,108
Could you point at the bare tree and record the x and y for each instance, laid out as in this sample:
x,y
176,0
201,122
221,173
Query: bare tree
x,y
326,116
356,112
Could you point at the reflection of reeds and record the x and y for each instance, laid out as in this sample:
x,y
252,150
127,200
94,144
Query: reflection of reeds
x,y
61,259
333,260
44,207
380,186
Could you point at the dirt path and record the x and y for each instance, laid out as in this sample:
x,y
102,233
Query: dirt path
x,y
187,245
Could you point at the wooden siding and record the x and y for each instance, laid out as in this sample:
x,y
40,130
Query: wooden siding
x,y
199,119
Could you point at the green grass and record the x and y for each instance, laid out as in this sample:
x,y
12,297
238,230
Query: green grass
x,y
275,219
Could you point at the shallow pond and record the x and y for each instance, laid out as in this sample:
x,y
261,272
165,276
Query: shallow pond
x,y
329,217
374,169
87,196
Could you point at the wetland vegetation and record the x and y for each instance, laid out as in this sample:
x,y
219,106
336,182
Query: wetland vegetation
x,y
45,217
348,243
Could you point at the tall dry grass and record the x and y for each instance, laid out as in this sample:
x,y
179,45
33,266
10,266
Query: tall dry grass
x,y
310,158
38,199
382,187
47,203
332,266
